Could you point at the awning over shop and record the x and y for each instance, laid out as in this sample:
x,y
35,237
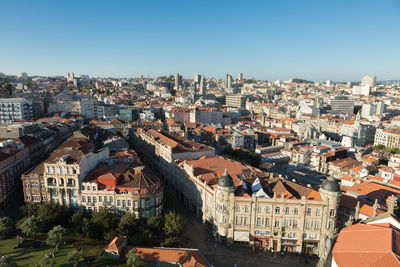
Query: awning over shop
x,y
241,236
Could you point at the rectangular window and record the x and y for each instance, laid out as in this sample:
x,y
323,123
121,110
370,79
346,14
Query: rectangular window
x,y
28,197
129,202
111,199
287,210
266,221
245,221
123,203
118,202
89,199
237,208
100,199
296,211
94,199
246,208
147,203
332,213
258,221
267,209
88,188
285,223
83,199
135,205
308,211
317,212
316,225
94,188
237,220
105,199
294,223
26,185
276,223
277,210
83,188
258,209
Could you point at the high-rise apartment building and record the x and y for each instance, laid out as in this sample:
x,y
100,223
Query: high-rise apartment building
x,y
178,80
237,100
24,76
228,81
368,80
196,78
240,77
15,109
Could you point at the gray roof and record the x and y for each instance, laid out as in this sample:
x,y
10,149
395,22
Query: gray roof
x,y
225,180
330,184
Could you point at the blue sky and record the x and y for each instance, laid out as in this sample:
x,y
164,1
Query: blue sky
x,y
281,39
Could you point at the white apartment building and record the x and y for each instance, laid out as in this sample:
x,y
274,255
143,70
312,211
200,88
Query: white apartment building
x,y
15,109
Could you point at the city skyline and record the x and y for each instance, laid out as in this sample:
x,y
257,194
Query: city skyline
x,y
265,40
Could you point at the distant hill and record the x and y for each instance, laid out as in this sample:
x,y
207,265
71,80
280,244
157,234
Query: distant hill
x,y
297,80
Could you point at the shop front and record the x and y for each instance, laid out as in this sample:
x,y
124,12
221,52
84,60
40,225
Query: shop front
x,y
262,238
289,245
310,247
241,237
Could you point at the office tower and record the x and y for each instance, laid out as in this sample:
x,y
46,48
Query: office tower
x,y
15,109
24,76
178,79
342,105
240,77
197,78
85,80
328,82
348,84
228,81
203,86
369,80
2,75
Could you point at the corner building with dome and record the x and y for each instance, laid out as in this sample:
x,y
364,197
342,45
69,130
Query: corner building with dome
x,y
245,205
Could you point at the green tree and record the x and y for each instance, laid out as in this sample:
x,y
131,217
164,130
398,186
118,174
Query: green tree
x,y
92,229
56,236
380,146
128,225
106,218
46,262
52,214
5,261
155,223
171,242
30,226
31,209
6,226
74,257
174,224
76,221
134,260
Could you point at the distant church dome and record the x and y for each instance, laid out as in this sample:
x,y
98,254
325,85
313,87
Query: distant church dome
x,y
225,180
331,185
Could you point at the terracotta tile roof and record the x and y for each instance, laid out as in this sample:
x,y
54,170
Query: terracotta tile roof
x,y
372,245
181,256
116,243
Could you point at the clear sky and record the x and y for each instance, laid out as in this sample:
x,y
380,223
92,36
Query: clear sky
x,y
271,39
